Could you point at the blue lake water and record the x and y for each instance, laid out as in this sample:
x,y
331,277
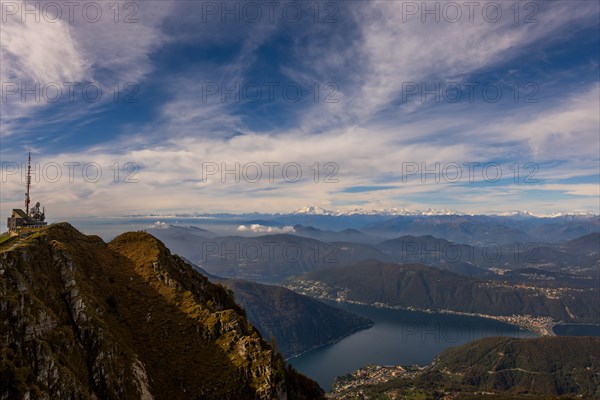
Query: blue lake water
x,y
577,330
398,338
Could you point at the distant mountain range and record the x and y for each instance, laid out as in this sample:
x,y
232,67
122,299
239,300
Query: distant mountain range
x,y
273,258
265,258
316,210
345,235
443,223
481,230
497,368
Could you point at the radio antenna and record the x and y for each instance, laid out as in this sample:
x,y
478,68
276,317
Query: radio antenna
x,y
28,183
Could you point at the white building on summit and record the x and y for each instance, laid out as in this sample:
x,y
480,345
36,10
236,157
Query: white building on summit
x,y
22,223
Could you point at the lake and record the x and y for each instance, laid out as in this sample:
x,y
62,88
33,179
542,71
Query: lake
x,y
577,330
398,338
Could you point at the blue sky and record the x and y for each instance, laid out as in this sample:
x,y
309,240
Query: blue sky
x,y
354,95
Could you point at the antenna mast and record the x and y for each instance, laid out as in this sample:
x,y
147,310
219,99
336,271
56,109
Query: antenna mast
x,y
28,183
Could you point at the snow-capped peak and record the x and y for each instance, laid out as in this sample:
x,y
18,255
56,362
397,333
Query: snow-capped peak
x,y
525,213
315,210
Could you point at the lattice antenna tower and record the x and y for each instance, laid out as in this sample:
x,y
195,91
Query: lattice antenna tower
x,y
28,183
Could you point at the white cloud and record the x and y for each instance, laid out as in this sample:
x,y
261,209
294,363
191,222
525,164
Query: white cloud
x,y
34,53
40,51
568,131
576,189
46,48
257,228
396,52
122,48
368,151
371,67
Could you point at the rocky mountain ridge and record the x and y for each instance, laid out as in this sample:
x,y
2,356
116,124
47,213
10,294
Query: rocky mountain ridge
x,y
127,320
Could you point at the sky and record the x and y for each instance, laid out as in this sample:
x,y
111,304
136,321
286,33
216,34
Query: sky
x,y
137,107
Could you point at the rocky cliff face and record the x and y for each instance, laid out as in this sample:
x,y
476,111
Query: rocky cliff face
x,y
82,319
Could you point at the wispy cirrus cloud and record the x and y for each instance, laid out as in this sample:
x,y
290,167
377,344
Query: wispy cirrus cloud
x,y
369,54
51,52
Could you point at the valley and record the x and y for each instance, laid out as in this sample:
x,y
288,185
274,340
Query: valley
x,y
534,286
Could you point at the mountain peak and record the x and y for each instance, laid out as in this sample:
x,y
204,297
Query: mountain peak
x,y
313,210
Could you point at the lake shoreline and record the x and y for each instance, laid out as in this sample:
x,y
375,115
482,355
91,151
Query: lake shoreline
x,y
333,341
542,326
398,337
